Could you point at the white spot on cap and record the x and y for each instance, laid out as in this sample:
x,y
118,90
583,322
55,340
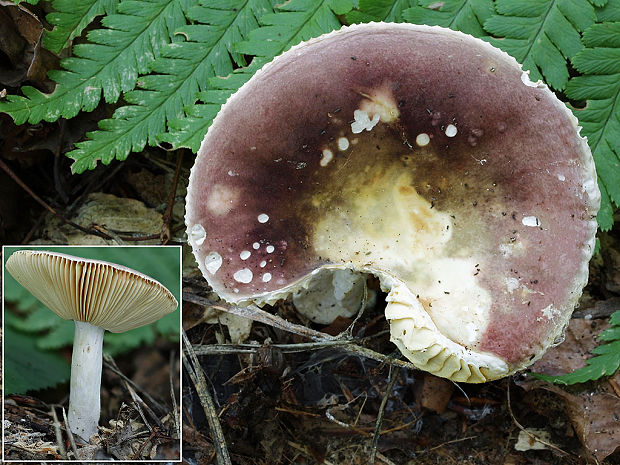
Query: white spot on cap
x,y
422,139
232,173
270,248
245,255
256,246
561,177
363,121
263,218
197,234
262,264
451,130
343,143
512,284
243,276
531,221
327,156
213,262
266,277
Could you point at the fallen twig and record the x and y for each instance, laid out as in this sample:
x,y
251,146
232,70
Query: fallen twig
x,y
198,378
393,375
59,441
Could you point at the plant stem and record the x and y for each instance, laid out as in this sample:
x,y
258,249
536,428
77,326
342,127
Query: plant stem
x,y
86,362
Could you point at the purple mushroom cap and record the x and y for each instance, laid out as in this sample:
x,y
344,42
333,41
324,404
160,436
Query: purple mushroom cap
x,y
418,154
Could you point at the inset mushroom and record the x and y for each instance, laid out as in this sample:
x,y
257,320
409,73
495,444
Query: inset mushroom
x,y
422,156
99,296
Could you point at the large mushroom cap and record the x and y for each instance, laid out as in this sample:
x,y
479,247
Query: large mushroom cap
x,y
103,294
421,155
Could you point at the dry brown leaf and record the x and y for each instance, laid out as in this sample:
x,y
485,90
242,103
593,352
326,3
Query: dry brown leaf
x,y
593,408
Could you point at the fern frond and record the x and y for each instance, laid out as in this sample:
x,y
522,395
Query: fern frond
x,y
600,86
184,69
69,19
290,24
609,12
380,10
110,63
467,16
541,34
605,362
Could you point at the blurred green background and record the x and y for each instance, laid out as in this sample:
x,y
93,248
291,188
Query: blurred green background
x,y
34,334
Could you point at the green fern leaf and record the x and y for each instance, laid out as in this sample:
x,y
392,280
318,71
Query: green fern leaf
x,y
69,19
110,63
290,24
541,34
609,12
380,10
183,70
462,15
600,86
605,362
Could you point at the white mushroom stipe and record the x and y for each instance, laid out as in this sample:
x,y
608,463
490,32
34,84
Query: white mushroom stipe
x,y
263,218
86,362
363,121
270,248
244,276
343,143
266,277
256,246
245,255
213,262
531,221
451,130
197,234
326,157
262,264
422,139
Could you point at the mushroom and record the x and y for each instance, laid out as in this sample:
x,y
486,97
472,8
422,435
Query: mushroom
x,y
99,296
420,155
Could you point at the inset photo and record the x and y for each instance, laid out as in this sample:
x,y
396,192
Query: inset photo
x,y
91,353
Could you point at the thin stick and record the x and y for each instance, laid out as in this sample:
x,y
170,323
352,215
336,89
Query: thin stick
x,y
109,363
61,445
165,229
69,433
198,378
41,202
532,436
393,375
175,409
252,312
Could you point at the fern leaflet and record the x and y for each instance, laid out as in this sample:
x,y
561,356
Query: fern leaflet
x,y
541,35
69,19
600,86
466,16
183,70
605,362
290,24
380,10
110,63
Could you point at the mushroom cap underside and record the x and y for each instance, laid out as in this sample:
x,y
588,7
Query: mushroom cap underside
x,y
103,294
419,154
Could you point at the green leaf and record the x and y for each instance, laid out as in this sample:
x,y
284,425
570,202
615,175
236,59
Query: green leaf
x,y
605,363
541,34
116,343
28,368
57,336
466,16
600,86
69,19
183,70
291,23
380,10
108,64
